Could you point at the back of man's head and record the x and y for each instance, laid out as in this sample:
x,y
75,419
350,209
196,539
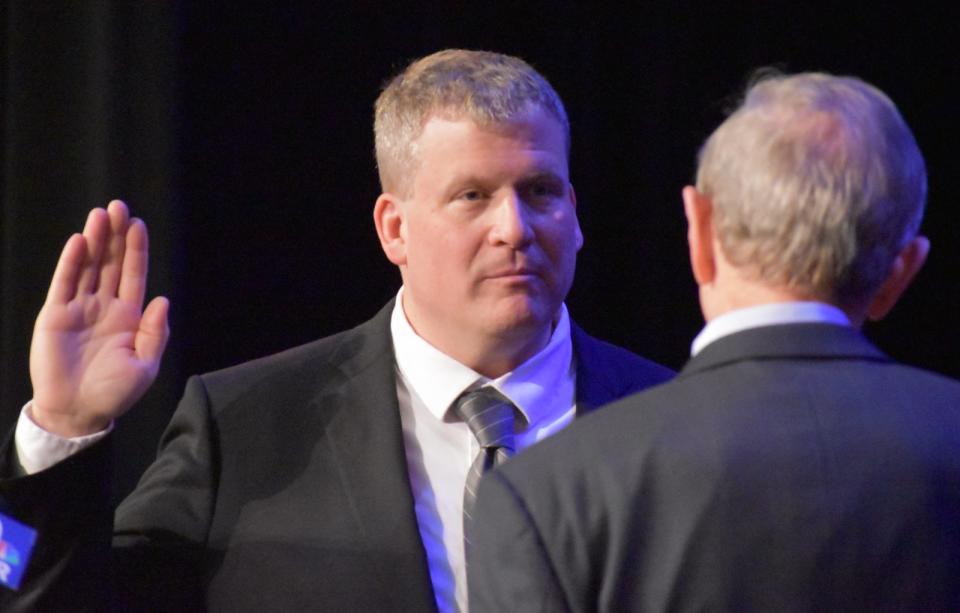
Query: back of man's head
x,y
816,183
488,88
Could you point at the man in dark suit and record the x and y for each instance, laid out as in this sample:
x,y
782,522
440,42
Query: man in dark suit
x,y
791,465
331,476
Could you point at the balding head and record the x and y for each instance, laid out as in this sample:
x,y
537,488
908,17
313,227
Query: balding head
x,y
817,184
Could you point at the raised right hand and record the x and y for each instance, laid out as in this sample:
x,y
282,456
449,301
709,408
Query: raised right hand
x,y
95,350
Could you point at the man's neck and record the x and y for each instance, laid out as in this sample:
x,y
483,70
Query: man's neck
x,y
721,298
491,355
731,290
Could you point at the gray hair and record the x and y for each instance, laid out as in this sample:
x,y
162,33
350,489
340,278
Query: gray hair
x,y
817,185
488,88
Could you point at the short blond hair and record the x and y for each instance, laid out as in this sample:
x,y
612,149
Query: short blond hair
x,y
488,88
817,185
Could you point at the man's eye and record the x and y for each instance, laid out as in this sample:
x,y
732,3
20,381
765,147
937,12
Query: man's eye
x,y
472,195
543,190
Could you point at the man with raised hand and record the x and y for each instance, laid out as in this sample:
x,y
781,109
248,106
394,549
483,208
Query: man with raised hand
x,y
338,475
791,465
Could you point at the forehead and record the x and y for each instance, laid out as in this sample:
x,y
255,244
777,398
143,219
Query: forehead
x,y
533,137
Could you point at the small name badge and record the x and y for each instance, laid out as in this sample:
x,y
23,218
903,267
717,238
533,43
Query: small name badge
x,y
16,544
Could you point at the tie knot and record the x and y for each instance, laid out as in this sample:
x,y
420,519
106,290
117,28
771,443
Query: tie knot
x,y
490,416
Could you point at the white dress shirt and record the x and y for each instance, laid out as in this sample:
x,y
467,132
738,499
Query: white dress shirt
x,y
772,314
38,449
440,447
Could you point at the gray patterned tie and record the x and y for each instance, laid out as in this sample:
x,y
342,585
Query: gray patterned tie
x,y
490,416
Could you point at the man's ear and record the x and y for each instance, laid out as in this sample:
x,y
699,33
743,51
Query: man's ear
x,y
390,219
902,272
699,211
573,201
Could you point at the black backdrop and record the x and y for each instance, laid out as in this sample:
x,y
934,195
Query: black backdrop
x,y
242,135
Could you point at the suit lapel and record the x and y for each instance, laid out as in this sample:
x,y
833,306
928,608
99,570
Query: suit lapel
x,y
597,380
367,442
366,439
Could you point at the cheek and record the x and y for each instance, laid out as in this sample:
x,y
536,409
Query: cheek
x,y
440,252
561,238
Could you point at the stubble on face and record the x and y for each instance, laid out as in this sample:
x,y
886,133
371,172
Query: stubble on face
x,y
491,238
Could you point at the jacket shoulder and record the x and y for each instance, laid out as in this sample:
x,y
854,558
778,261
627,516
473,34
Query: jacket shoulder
x,y
620,362
306,368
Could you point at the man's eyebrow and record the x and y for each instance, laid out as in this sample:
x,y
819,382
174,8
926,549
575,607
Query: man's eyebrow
x,y
473,180
542,175
461,181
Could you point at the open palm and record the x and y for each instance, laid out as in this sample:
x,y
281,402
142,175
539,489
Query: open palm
x,y
94,353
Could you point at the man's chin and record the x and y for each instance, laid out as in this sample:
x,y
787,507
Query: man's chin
x,y
518,317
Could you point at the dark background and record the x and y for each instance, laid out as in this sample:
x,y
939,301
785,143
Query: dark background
x,y
242,135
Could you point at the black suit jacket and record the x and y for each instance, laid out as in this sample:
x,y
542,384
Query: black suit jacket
x,y
280,485
787,468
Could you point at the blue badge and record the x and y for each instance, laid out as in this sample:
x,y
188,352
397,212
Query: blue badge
x,y
16,543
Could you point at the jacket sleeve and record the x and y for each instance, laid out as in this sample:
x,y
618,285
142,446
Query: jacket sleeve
x,y
149,555
69,506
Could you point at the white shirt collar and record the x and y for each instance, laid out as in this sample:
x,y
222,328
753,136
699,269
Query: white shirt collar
x,y
439,379
767,315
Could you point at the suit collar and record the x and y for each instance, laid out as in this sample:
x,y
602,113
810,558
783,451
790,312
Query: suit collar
x,y
789,341
767,314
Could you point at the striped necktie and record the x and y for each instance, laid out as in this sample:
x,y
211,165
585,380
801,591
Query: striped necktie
x,y
490,416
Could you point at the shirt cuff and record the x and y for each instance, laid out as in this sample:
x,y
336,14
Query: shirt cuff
x,y
38,449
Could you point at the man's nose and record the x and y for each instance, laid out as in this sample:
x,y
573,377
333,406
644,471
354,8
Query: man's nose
x,y
511,224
